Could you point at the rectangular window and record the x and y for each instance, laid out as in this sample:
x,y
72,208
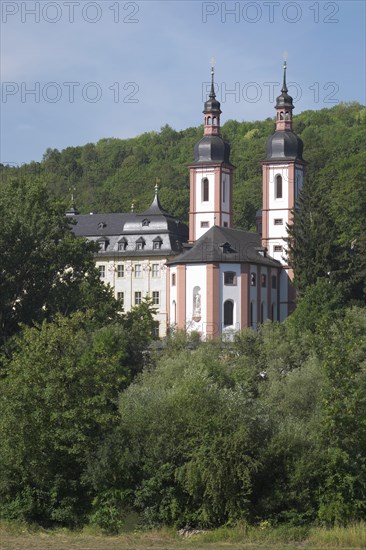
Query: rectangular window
x,y
101,271
139,246
155,330
120,270
138,298
224,191
121,297
253,279
204,224
229,278
277,248
156,297
274,281
174,279
278,221
121,246
138,272
226,224
155,271
263,280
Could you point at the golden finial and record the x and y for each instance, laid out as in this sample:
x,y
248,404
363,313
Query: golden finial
x,y
157,181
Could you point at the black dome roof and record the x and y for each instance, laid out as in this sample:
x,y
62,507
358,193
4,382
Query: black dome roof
x,y
212,105
212,149
284,145
284,100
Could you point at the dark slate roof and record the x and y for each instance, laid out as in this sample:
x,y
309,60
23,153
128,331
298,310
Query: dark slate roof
x,y
155,224
284,100
87,225
212,105
212,149
223,244
284,145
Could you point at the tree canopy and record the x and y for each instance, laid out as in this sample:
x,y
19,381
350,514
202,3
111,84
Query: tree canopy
x,y
45,270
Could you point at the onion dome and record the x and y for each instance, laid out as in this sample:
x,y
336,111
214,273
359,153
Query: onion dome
x,y
284,145
212,149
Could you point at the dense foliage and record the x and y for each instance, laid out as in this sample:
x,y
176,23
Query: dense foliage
x,y
270,428
45,270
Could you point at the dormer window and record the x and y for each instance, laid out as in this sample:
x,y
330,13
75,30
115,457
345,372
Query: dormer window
x,y
227,248
157,242
102,243
122,244
145,222
140,243
101,225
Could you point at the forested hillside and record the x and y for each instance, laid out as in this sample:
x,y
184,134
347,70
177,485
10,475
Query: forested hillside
x,y
109,175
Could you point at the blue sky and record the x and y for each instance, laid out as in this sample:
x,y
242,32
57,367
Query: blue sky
x,y
114,68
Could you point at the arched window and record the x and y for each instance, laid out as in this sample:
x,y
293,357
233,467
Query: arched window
x,y
214,120
278,187
174,312
205,190
287,115
281,115
228,313
208,120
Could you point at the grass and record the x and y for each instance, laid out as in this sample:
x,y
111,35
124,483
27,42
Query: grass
x,y
15,536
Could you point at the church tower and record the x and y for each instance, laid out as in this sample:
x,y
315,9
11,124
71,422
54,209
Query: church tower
x,y
283,174
211,175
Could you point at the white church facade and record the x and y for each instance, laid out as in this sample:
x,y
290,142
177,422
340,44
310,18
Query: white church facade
x,y
229,279
211,278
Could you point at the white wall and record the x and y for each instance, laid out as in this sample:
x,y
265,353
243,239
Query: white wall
x,y
146,284
204,209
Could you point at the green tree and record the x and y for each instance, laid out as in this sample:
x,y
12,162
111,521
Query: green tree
x,y
58,401
45,270
343,492
186,444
